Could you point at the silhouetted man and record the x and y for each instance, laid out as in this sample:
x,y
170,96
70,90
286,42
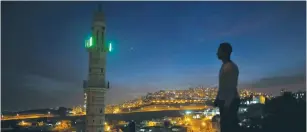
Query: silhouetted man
x,y
227,99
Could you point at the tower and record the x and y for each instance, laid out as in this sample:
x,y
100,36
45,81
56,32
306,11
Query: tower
x,y
96,86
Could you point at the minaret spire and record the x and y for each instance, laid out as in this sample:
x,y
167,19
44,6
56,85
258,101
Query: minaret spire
x,y
98,15
99,8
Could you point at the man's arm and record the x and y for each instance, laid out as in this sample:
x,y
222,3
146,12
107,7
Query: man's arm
x,y
216,101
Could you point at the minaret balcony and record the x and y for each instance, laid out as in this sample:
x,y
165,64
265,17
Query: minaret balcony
x,y
95,84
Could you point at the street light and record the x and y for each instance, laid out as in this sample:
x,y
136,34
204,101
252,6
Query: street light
x,y
203,123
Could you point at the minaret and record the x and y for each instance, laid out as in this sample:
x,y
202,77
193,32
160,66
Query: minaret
x,y
96,86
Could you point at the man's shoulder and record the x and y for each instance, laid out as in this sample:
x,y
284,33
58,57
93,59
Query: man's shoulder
x,y
234,65
230,66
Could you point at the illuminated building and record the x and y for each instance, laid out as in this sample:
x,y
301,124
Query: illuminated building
x,y
300,95
212,112
85,97
242,109
95,86
262,100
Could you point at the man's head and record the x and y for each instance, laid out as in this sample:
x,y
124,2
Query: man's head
x,y
224,51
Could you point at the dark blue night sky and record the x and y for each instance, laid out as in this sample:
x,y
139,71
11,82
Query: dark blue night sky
x,y
158,45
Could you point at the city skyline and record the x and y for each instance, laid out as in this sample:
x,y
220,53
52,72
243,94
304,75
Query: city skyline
x,y
155,47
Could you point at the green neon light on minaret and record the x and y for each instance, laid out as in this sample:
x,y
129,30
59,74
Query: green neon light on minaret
x,y
89,43
110,47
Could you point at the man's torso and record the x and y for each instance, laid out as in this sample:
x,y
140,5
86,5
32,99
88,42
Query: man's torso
x,y
228,80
